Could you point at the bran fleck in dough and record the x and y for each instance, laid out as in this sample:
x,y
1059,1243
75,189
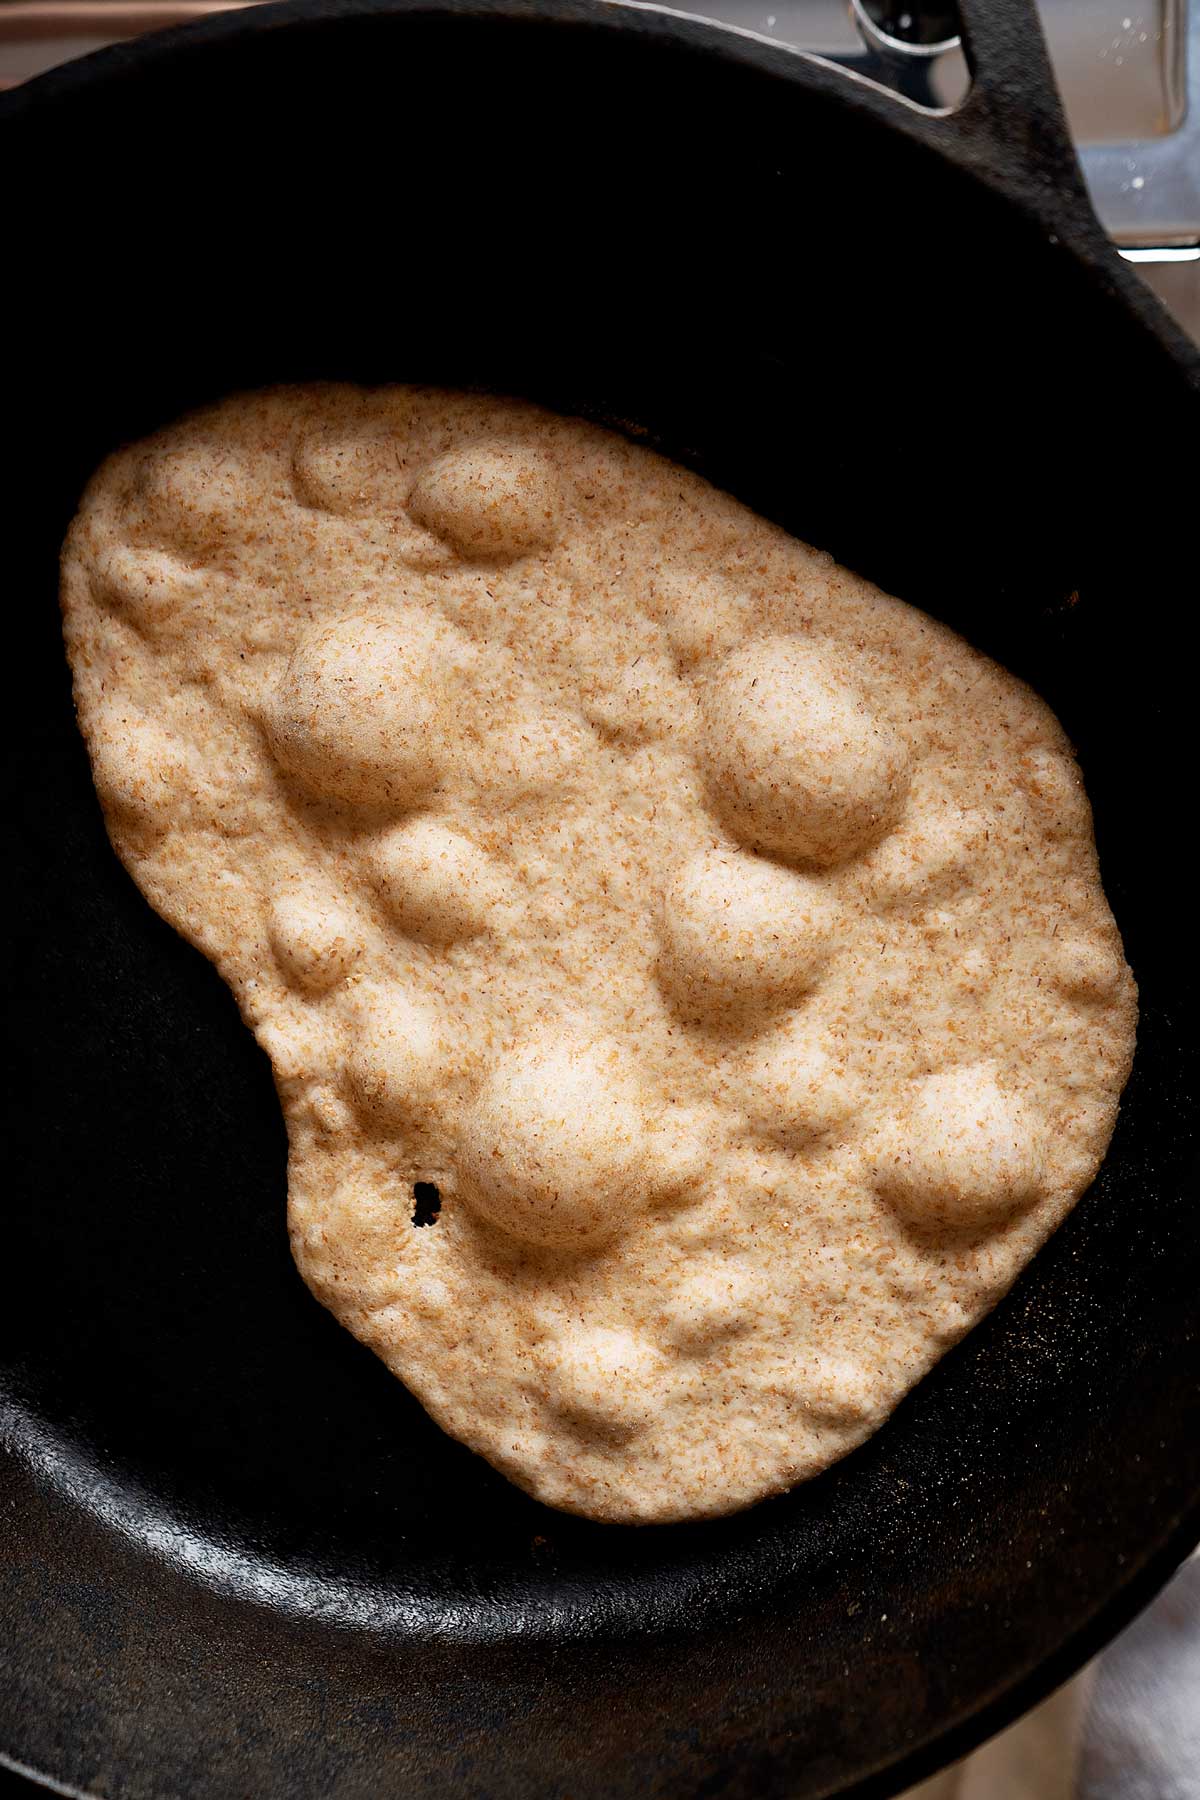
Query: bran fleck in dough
x,y
723,938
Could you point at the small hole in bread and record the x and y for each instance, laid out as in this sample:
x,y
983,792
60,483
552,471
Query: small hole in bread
x,y
428,1203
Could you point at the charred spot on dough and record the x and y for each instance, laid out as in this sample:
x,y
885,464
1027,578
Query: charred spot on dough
x,y
364,707
491,501
556,1149
437,885
738,932
604,1380
797,763
316,941
961,1153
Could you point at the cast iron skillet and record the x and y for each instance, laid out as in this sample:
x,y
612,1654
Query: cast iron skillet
x,y
239,1558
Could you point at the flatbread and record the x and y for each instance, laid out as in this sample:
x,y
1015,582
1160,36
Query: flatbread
x,y
685,969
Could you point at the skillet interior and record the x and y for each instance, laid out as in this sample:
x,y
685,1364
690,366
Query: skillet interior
x,y
243,1559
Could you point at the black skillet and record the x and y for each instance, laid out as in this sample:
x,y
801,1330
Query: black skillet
x,y
239,1559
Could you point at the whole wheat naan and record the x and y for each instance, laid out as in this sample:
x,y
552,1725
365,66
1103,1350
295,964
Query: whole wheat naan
x,y
685,968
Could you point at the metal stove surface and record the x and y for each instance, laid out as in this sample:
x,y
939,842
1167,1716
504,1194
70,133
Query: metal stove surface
x,y
1129,71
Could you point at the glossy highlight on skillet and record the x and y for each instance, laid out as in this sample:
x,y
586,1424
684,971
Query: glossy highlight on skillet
x,y
720,939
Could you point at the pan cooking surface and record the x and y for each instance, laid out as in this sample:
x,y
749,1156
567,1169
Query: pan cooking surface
x,y
239,1558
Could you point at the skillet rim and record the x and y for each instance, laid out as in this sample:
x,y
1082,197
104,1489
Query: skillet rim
x,y
978,155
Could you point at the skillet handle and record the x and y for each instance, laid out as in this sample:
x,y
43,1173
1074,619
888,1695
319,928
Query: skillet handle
x,y
1013,116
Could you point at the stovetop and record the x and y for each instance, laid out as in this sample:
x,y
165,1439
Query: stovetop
x,y
1129,74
